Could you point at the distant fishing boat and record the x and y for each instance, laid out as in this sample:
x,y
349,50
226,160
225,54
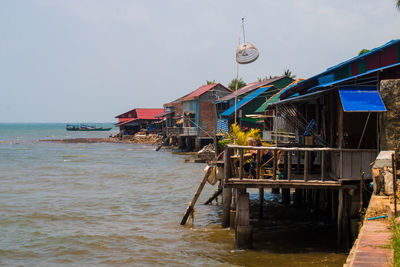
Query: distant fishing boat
x,y
85,127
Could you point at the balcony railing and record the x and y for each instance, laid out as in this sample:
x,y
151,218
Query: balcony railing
x,y
174,131
188,131
298,164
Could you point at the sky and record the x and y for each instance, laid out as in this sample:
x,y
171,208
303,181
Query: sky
x,y
91,60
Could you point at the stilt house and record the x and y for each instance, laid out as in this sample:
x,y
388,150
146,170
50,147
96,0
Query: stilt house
x,y
191,120
137,119
248,99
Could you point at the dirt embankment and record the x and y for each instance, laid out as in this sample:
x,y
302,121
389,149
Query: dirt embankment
x,y
136,139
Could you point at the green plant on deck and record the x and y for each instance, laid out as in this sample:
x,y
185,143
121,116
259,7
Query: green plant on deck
x,y
396,242
238,137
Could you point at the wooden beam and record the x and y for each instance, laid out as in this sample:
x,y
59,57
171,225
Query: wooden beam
x,y
261,200
241,163
275,162
289,166
340,125
258,164
227,163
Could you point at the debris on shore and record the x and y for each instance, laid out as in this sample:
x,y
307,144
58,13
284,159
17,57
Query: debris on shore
x,y
136,139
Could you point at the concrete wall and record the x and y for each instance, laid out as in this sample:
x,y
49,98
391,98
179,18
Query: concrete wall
x,y
390,120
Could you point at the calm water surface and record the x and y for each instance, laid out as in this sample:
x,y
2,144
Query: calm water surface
x,y
120,205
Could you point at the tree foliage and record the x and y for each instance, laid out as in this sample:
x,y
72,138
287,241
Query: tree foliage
x,y
265,78
210,82
236,136
288,73
363,51
232,84
398,4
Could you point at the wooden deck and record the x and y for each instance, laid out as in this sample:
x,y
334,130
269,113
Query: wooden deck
x,y
294,183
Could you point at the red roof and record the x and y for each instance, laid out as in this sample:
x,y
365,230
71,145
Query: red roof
x,y
201,90
141,113
148,113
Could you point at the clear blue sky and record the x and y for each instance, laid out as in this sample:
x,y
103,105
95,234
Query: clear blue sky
x,y
90,60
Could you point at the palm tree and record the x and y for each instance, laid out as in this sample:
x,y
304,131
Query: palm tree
x,y
289,74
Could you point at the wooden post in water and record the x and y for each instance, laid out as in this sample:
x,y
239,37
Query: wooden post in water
x,y
243,232
334,205
232,211
298,196
226,192
190,207
261,199
346,219
286,195
340,218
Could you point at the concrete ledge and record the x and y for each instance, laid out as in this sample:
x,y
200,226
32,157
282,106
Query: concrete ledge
x,y
372,247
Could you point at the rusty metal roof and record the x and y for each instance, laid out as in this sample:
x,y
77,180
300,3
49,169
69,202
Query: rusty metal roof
x,y
250,87
201,90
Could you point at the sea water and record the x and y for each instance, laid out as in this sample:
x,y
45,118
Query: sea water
x,y
106,204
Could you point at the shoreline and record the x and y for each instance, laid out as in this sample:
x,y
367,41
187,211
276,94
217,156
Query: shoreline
x,y
134,140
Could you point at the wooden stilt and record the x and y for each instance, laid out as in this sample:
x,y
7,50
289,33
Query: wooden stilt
x,y
226,206
261,200
286,195
334,205
275,190
340,218
346,220
314,196
243,232
232,211
298,197
289,166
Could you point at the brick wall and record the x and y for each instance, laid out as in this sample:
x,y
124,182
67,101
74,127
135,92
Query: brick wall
x,y
206,118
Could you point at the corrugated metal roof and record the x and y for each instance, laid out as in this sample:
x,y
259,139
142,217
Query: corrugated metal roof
x,y
246,100
361,99
313,81
165,113
148,113
250,87
201,90
275,97
143,113
352,77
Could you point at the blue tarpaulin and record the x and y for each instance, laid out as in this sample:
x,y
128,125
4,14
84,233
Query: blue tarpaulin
x,y
245,100
361,99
